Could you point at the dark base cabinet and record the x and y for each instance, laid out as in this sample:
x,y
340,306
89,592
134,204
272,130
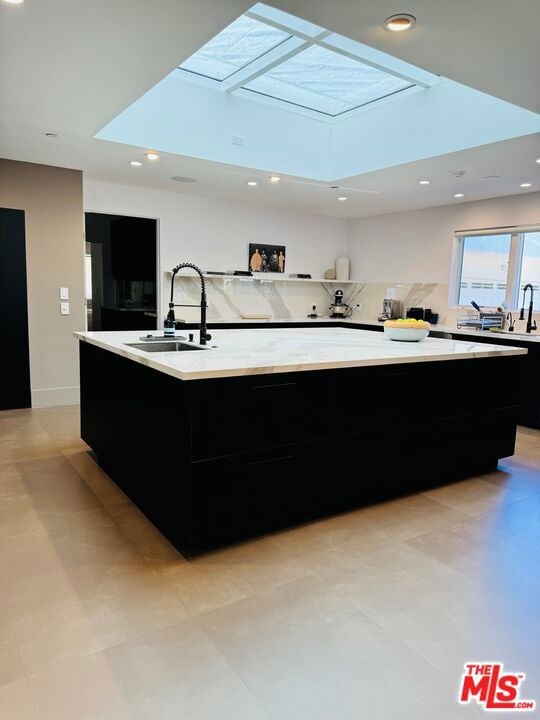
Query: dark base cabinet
x,y
529,387
215,461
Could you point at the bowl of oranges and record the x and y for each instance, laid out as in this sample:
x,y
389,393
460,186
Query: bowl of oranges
x,y
406,329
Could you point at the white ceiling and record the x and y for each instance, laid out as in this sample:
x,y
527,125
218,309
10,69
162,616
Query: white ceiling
x,y
69,67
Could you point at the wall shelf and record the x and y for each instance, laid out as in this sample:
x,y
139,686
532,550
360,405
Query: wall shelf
x,y
266,277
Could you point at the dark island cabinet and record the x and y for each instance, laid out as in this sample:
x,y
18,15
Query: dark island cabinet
x,y
266,488
215,461
241,414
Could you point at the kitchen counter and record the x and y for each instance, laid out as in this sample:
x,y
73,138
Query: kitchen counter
x,y
233,353
277,426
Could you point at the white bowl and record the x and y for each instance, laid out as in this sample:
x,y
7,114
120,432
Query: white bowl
x,y
406,334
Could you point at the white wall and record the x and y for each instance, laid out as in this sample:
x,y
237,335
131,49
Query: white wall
x,y
215,235
416,246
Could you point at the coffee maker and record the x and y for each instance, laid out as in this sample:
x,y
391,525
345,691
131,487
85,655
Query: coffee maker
x,y
391,310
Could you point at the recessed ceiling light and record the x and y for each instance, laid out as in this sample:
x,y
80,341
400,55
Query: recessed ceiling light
x,y
424,182
342,198
525,185
400,22
538,160
252,183
459,195
14,2
274,178
152,155
135,163
182,179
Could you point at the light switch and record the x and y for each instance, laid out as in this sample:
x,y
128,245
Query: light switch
x,y
64,308
64,293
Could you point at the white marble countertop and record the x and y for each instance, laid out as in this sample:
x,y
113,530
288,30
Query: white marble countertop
x,y
257,352
523,337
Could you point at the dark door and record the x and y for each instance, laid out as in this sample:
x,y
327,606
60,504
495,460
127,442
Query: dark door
x,y
15,375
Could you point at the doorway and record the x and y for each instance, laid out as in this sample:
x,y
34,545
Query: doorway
x,y
120,272
15,375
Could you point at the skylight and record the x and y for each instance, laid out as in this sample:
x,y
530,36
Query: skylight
x,y
282,59
326,81
241,42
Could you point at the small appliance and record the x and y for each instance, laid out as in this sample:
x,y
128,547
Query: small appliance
x,y
338,307
391,310
416,313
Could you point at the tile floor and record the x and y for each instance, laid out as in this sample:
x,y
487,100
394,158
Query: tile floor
x,y
370,614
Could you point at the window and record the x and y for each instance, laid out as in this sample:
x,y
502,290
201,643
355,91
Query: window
x,y
484,269
326,81
241,42
281,59
530,266
492,269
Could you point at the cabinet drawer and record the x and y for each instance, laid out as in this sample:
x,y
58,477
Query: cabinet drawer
x,y
235,493
419,394
491,434
247,414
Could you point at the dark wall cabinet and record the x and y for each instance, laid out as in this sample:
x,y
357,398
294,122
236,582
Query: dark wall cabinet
x,y
214,461
127,319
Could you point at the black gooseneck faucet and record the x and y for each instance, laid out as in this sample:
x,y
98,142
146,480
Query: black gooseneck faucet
x,y
530,324
203,331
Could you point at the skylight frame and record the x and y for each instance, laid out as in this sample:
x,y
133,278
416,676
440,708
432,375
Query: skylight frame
x,y
303,35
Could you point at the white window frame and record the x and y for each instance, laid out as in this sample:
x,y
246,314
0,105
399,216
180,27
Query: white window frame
x,y
515,259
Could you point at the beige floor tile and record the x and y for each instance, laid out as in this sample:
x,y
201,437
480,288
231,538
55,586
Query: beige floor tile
x,y
506,565
319,621
386,580
250,568
521,518
474,496
107,492
50,542
225,576
439,613
387,523
60,617
62,426
15,702
202,589
150,543
11,668
307,653
174,674
517,475
313,536
53,484
466,623
23,438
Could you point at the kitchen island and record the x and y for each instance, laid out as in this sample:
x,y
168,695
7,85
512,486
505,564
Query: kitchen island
x,y
265,428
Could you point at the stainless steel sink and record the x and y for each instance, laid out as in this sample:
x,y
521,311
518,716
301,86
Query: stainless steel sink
x,y
165,346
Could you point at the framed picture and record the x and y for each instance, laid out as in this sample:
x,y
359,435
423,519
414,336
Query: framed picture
x,y
266,258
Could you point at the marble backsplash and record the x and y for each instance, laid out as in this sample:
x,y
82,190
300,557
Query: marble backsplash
x,y
426,295
230,299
